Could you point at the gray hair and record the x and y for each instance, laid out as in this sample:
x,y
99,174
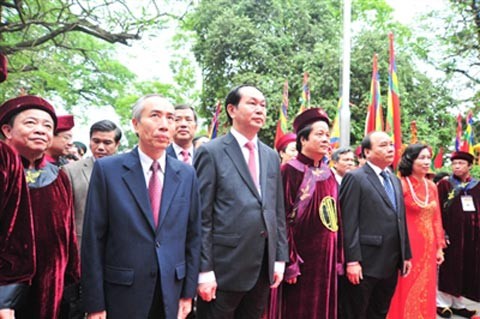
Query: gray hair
x,y
340,151
138,107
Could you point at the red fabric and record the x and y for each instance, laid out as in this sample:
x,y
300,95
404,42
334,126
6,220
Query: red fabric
x,y
58,262
415,294
460,273
438,161
3,68
17,247
315,293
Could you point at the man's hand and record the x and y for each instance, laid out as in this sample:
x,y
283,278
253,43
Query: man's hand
x,y
7,314
277,279
407,266
207,291
354,273
97,315
184,308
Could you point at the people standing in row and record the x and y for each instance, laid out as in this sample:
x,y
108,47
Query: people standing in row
x,y
310,288
62,141
286,147
104,141
27,123
375,234
182,147
17,244
415,294
343,162
460,273
244,245
141,241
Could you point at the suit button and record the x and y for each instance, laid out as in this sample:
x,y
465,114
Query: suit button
x,y
157,244
153,273
263,234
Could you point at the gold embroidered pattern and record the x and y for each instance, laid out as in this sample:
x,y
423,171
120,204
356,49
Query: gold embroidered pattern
x,y
328,213
31,176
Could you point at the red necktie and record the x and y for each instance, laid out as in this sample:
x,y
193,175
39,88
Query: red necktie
x,y
186,156
252,166
155,191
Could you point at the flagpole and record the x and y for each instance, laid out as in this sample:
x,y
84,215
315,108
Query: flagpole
x,y
345,108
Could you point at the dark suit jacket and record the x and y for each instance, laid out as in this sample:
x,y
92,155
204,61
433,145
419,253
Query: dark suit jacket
x,y
79,175
236,220
122,252
374,233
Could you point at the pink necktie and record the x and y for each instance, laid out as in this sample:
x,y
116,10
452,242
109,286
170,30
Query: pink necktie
x,y
252,167
186,156
155,191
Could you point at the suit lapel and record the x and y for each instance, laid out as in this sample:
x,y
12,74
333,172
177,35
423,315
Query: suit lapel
x,y
263,159
171,181
375,181
235,153
135,182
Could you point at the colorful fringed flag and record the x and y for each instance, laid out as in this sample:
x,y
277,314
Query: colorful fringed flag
x,y
393,123
305,99
458,138
282,126
467,145
215,120
374,120
438,161
335,133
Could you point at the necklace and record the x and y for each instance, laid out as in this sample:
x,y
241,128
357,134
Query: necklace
x,y
414,195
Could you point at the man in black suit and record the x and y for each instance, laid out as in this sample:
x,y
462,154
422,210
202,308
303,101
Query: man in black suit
x,y
244,245
376,241
185,127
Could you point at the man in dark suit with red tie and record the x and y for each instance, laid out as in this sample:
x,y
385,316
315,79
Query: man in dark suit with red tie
x,y
244,246
376,241
141,234
185,127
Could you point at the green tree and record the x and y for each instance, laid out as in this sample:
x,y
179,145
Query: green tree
x,y
266,42
65,49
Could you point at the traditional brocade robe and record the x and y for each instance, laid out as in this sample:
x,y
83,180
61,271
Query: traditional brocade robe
x,y
17,246
415,294
315,250
57,255
460,273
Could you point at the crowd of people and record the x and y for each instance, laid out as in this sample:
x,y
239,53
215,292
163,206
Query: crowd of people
x,y
227,228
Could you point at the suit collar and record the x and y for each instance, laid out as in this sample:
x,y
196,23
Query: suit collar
x,y
136,183
374,179
171,182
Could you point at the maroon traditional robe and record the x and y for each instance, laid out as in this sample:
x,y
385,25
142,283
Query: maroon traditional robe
x,y
315,250
57,255
460,272
17,247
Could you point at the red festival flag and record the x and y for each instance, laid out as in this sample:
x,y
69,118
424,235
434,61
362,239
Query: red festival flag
x,y
305,99
374,120
215,120
438,161
282,126
393,124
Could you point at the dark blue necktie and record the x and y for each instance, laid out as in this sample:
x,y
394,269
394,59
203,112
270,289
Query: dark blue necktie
x,y
389,188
